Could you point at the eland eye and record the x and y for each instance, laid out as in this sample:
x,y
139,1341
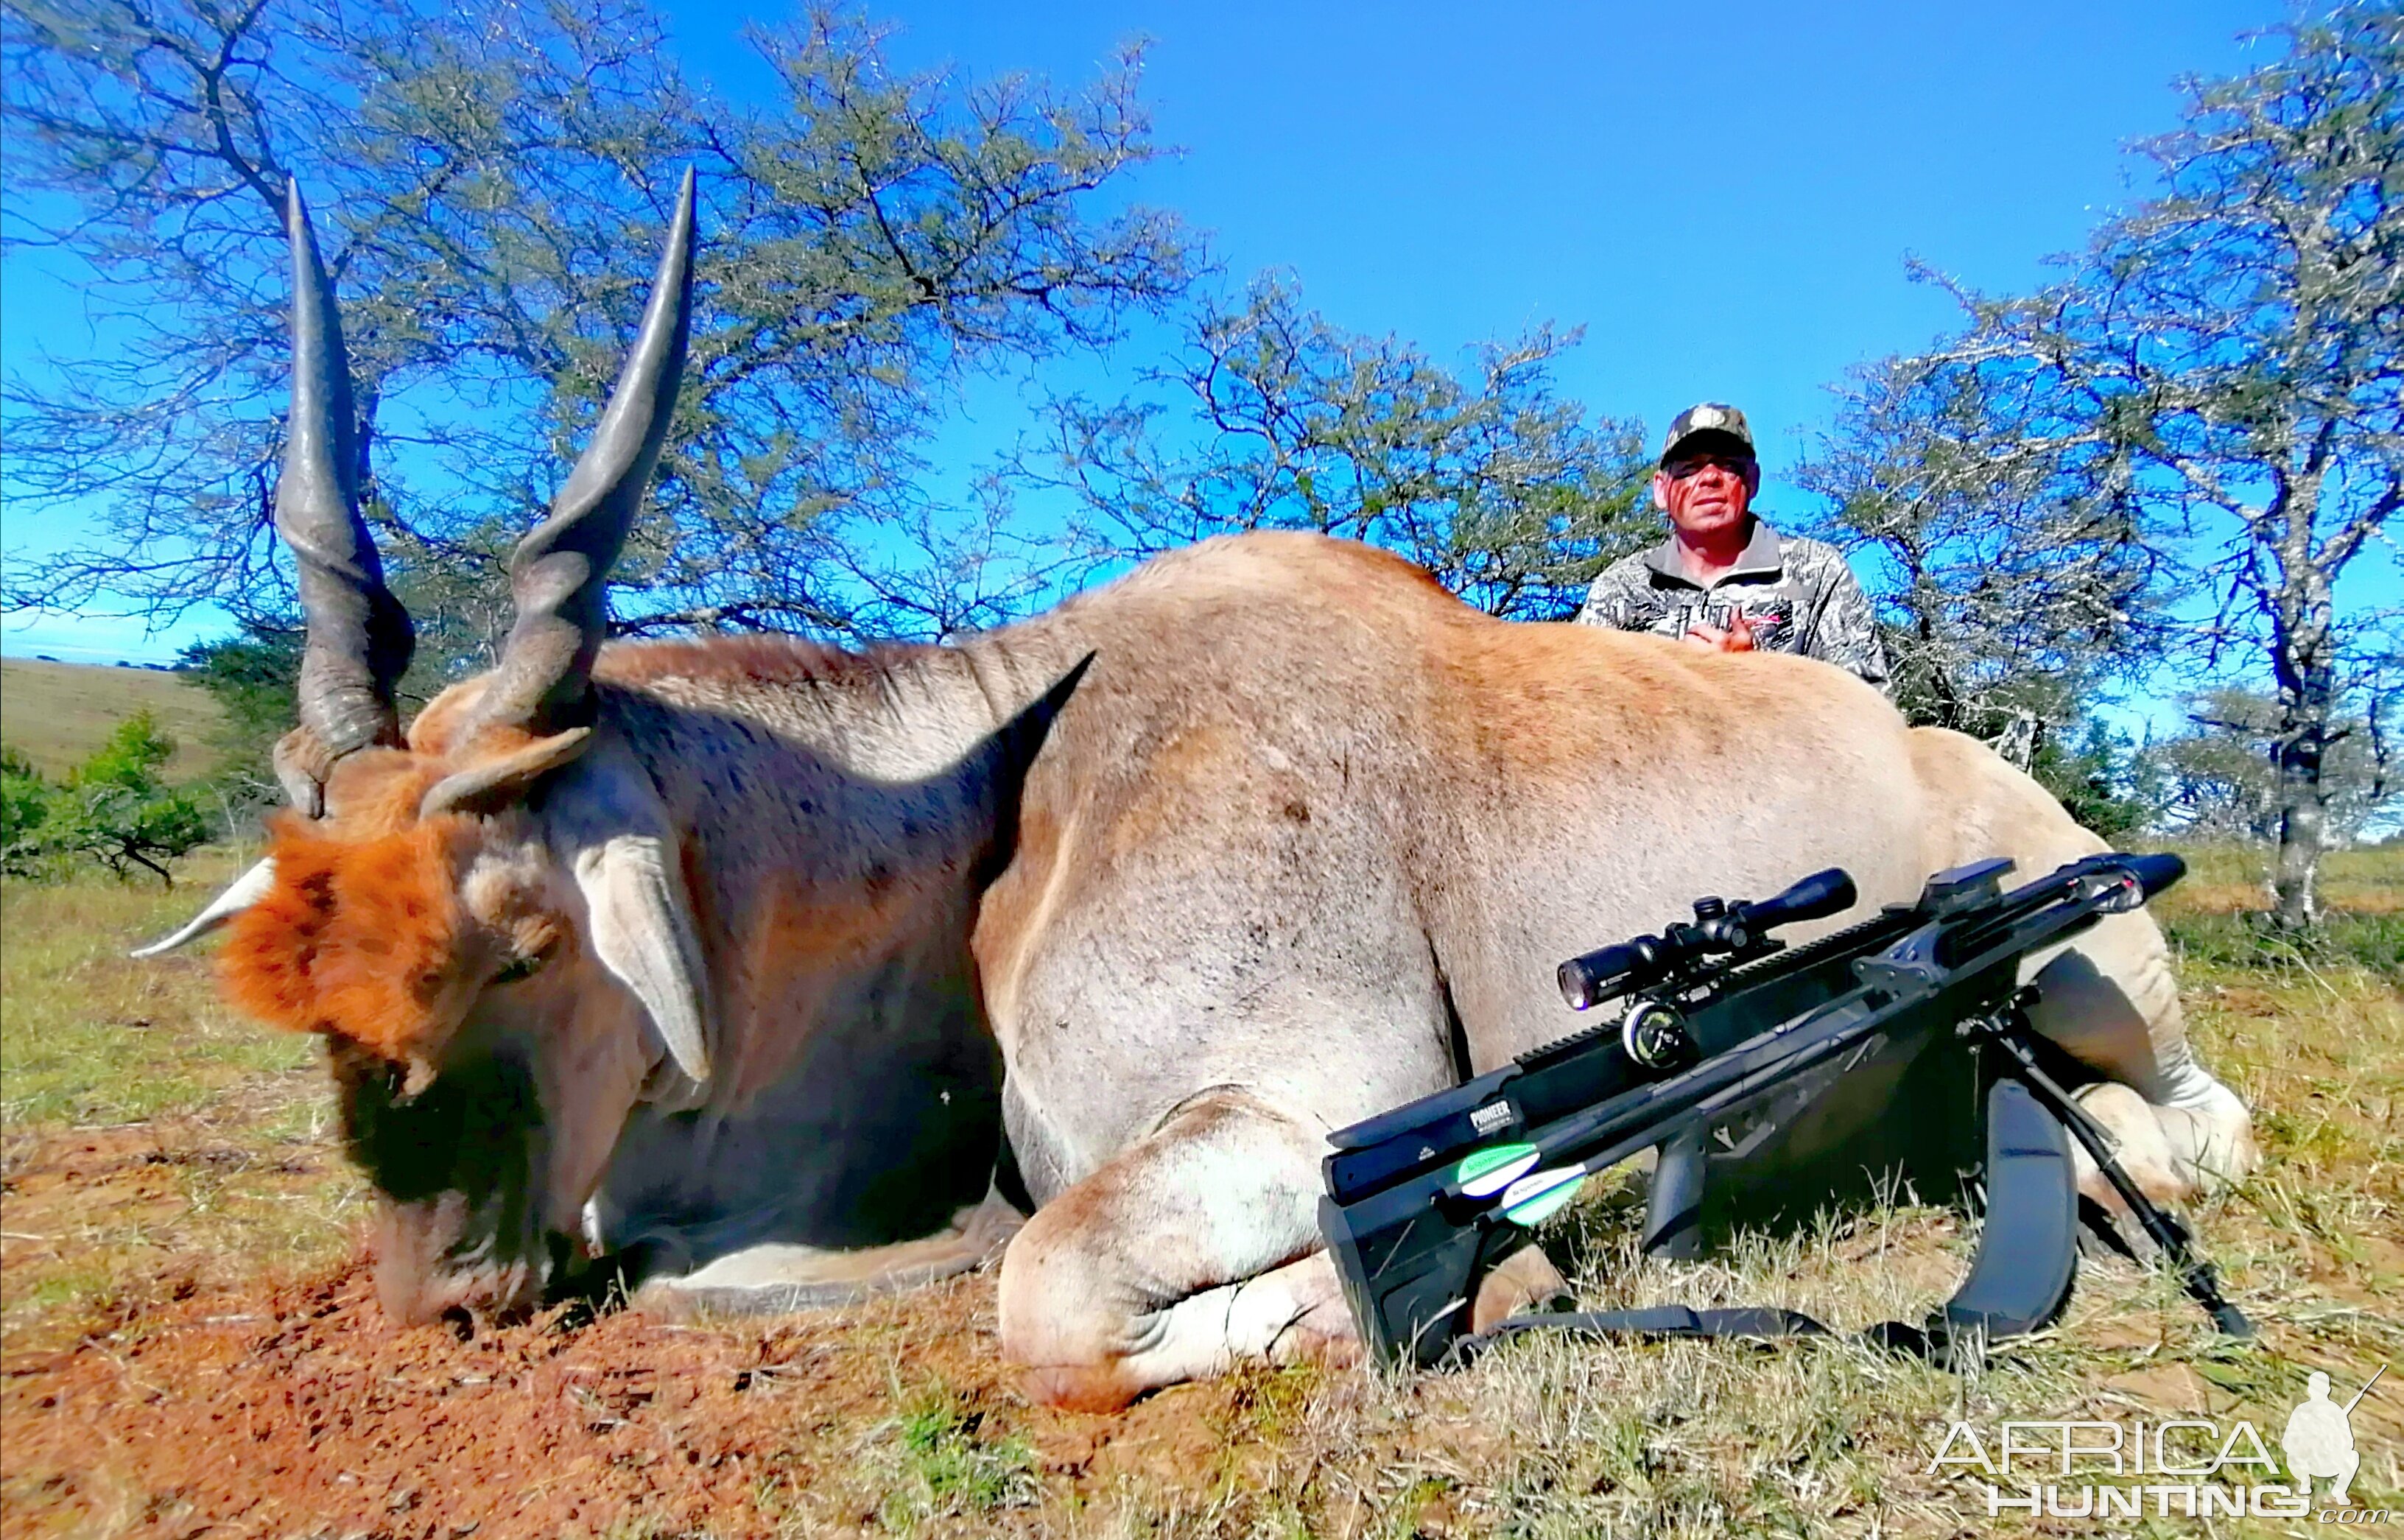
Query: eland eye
x,y
523,967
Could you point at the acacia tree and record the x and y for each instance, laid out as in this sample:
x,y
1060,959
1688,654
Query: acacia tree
x,y
2224,362
1276,419
490,181
2221,777
2010,585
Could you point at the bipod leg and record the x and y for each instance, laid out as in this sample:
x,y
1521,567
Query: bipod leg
x,y
2009,1029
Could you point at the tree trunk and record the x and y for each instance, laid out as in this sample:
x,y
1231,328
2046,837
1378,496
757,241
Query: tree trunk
x,y
2306,666
2303,810
2018,740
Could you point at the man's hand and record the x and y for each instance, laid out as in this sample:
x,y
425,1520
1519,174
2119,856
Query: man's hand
x,y
1737,638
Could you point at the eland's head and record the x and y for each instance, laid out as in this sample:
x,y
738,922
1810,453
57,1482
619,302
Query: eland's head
x,y
484,918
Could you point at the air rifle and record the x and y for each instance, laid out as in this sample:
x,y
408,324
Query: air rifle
x,y
1733,1047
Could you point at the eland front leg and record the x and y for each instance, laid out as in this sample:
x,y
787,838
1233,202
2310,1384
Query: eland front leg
x,y
1189,1250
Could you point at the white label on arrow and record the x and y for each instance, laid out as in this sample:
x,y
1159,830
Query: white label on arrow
x,y
1539,1195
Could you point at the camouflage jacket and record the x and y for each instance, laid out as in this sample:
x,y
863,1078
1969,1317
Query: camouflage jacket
x,y
1799,594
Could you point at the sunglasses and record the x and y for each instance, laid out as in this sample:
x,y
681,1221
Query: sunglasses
x,y
1735,465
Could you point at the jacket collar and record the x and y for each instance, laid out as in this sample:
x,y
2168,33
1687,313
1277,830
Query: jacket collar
x,y
1761,557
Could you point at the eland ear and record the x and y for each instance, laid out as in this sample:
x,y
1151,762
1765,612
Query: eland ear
x,y
643,935
504,775
1023,735
1009,754
246,890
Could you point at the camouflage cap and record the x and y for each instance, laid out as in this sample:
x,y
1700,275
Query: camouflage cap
x,y
1707,419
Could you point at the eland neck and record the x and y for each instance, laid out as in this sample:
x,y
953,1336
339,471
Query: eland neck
x,y
839,814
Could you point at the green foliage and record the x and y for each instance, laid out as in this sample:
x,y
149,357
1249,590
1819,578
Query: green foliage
x,y
254,676
2101,778
2219,917
130,761
1513,495
2007,589
113,809
2220,778
491,185
2181,445
2249,940
24,806
946,1466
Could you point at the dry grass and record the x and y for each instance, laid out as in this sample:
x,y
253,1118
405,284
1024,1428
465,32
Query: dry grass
x,y
57,713
2216,916
1549,1436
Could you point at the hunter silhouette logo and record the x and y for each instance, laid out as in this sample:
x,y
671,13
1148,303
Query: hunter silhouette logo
x,y
2164,1467
2319,1440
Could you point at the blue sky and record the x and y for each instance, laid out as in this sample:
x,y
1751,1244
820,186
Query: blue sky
x,y
1722,197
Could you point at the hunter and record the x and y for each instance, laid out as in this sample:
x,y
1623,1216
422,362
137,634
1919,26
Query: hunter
x,y
1726,580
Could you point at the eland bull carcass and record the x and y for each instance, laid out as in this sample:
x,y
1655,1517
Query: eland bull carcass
x,y
728,952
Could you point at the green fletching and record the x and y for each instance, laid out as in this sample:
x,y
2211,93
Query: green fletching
x,y
1482,1174
1536,1198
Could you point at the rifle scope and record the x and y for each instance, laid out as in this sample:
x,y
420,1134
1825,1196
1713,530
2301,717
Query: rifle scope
x,y
1720,928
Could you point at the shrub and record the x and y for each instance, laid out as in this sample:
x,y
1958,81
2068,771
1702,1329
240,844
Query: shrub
x,y
25,803
112,809
2100,780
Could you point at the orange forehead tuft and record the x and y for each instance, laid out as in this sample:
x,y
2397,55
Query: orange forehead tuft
x,y
359,937
377,791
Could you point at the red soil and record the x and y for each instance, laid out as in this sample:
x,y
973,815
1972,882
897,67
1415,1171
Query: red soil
x,y
268,1412
203,1398
297,1409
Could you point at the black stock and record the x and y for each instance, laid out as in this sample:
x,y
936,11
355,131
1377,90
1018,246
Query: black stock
x,y
1866,1050
359,637
2017,1283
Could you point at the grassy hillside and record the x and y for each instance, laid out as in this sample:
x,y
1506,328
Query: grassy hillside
x,y
57,713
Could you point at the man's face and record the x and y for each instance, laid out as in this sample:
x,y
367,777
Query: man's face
x,y
1707,491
